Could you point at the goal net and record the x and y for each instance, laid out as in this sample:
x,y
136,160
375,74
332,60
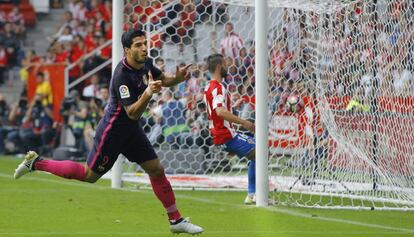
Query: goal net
x,y
341,101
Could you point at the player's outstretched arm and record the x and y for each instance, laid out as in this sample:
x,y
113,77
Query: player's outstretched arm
x,y
135,110
226,115
180,75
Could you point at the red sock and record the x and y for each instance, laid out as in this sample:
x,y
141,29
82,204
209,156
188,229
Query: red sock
x,y
162,189
66,169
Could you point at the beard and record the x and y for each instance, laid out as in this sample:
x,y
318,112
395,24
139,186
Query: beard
x,y
139,59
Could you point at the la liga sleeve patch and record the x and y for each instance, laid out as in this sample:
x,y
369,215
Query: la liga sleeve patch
x,y
124,92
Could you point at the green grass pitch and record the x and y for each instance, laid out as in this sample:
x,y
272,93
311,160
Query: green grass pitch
x,y
40,204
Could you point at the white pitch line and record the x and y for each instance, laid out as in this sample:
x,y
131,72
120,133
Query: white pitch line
x,y
220,233
272,209
300,214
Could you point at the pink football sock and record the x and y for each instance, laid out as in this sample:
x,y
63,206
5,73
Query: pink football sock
x,y
162,189
66,169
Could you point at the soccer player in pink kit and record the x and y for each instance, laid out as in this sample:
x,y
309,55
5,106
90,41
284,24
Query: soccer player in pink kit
x,y
132,86
221,120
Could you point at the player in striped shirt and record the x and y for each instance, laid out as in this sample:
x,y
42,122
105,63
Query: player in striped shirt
x,y
221,119
231,44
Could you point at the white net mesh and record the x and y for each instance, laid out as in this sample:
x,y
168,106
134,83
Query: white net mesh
x,y
340,97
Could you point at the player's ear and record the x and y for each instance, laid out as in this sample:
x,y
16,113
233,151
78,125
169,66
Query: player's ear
x,y
126,50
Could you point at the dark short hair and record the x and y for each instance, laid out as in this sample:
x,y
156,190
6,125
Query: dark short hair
x,y
129,35
159,60
214,60
103,86
40,74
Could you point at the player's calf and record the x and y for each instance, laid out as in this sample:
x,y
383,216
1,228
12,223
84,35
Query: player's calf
x,y
66,169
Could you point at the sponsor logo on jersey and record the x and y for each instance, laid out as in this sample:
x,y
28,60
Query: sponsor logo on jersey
x,y
124,91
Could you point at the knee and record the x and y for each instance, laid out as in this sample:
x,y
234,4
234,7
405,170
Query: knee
x,y
156,171
252,155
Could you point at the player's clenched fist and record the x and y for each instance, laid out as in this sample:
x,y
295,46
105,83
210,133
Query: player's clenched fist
x,y
249,126
153,86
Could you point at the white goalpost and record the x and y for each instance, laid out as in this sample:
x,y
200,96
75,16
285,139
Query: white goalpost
x,y
262,108
330,86
117,55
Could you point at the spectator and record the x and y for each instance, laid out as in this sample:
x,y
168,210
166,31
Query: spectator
x,y
248,61
15,16
140,9
221,13
3,18
80,11
106,10
16,116
10,42
401,77
80,29
231,44
61,54
174,119
247,110
92,90
30,57
93,7
67,21
50,56
154,119
233,76
185,26
43,88
66,36
3,64
194,84
104,94
76,53
100,23
199,129
37,131
4,117
95,113
75,112
160,64
204,10
72,6
240,61
57,4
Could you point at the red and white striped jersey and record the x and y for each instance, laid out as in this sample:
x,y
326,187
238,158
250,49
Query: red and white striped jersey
x,y
230,45
215,95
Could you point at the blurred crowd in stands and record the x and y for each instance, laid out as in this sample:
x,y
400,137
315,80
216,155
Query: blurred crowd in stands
x,y
30,125
87,25
12,35
177,117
